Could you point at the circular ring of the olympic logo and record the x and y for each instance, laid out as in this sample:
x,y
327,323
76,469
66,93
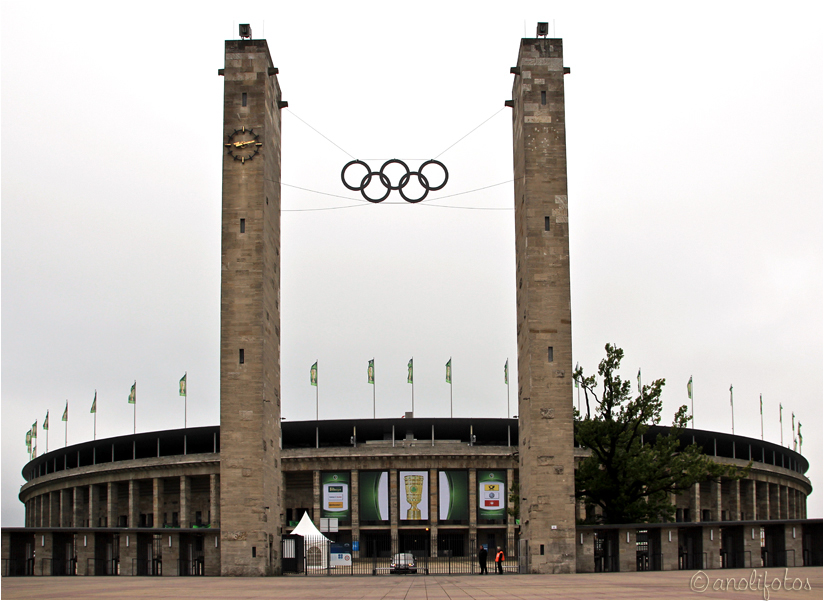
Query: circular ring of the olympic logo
x,y
387,182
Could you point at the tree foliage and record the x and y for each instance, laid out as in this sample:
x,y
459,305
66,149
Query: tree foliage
x,y
628,476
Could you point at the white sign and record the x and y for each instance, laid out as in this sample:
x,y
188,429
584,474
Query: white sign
x,y
341,559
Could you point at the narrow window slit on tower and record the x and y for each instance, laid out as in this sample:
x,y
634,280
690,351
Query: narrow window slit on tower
x,y
243,99
546,224
243,226
543,98
549,354
241,358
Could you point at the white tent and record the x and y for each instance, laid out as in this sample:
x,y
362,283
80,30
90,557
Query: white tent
x,y
315,544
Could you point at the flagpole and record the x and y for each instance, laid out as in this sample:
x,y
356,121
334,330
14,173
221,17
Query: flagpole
x,y
781,422
413,386
185,399
66,428
135,408
450,387
732,410
317,396
373,387
761,410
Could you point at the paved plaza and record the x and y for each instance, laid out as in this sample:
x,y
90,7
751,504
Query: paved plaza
x,y
708,584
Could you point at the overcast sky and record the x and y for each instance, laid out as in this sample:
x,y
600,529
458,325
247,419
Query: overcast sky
x,y
694,137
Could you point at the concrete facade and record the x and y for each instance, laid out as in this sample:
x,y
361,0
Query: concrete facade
x,y
543,308
250,471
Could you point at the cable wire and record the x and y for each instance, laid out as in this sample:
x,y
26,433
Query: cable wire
x,y
317,132
496,112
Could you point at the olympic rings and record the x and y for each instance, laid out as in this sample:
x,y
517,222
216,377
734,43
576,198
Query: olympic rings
x,y
386,182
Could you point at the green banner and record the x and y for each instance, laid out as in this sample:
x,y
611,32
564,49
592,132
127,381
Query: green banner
x,y
491,494
373,490
335,490
453,495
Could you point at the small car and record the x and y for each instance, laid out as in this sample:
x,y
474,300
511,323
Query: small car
x,y
403,563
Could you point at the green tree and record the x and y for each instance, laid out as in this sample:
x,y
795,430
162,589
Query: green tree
x,y
631,478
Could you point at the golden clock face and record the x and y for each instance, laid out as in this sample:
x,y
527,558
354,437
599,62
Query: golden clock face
x,y
243,144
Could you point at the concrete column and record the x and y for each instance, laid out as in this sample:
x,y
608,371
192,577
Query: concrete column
x,y
94,505
66,507
214,500
715,507
44,551
585,552
78,515
211,554
171,553
735,500
793,538
393,504
669,548
749,501
111,505
510,519
752,546
784,499
134,503
712,547
433,512
185,504
316,498
128,553
473,507
626,550
695,502
157,502
85,552
354,507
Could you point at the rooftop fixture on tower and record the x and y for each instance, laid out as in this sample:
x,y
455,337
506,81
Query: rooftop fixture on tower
x,y
246,30
543,29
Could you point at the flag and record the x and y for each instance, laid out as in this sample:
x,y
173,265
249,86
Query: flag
x,y
449,371
66,412
800,438
313,374
28,440
639,381
761,404
730,395
94,404
133,393
506,372
183,385
409,375
46,421
689,388
34,429
370,372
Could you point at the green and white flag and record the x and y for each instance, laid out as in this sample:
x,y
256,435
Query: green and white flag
x,y
409,375
94,404
449,371
730,395
506,372
689,388
313,374
800,438
46,421
66,412
183,385
761,404
370,372
133,394
640,388
28,440
34,429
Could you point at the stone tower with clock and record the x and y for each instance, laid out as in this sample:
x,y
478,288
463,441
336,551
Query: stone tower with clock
x,y
250,471
547,478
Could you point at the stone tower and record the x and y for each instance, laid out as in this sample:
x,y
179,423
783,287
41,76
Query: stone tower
x,y
250,471
547,482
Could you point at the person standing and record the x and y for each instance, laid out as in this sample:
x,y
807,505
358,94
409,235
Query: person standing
x,y
482,553
499,561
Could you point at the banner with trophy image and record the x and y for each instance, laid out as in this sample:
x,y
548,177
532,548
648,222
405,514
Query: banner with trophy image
x,y
492,494
413,496
453,495
373,490
335,490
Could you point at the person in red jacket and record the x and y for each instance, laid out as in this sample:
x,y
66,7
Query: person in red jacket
x,y
499,561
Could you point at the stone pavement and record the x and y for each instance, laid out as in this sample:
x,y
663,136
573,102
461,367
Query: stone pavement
x,y
645,585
